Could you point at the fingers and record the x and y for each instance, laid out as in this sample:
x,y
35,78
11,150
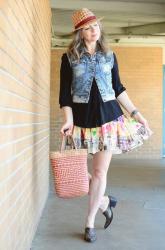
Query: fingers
x,y
146,123
66,131
62,131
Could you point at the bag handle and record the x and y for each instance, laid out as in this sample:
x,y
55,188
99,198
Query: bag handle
x,y
64,140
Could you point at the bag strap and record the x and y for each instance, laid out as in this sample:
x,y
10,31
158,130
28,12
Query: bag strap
x,y
65,139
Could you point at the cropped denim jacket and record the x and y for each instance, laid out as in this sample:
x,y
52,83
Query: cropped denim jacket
x,y
98,65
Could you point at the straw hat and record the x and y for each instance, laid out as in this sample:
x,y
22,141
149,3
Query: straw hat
x,y
83,17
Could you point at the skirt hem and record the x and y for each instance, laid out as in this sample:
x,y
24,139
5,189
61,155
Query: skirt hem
x,y
119,136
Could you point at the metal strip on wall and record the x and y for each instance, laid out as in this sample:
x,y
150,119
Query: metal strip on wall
x,y
163,110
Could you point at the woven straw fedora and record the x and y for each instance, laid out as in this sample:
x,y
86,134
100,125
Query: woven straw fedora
x,y
82,17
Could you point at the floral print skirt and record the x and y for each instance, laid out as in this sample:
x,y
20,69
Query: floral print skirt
x,y
119,136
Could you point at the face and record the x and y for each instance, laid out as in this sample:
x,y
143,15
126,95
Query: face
x,y
91,32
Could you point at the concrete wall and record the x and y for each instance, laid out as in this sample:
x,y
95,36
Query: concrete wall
x,y
24,119
140,69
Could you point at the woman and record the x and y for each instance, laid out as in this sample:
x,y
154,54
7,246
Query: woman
x,y
90,93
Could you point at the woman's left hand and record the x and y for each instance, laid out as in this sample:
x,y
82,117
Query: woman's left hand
x,y
139,118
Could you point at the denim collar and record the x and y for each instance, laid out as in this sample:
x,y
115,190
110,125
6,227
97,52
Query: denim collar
x,y
84,50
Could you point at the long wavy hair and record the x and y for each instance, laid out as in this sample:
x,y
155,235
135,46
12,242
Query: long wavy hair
x,y
74,49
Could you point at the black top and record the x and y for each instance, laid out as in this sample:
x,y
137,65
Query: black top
x,y
96,112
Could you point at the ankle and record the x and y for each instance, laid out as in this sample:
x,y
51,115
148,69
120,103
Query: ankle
x,y
89,226
104,203
89,223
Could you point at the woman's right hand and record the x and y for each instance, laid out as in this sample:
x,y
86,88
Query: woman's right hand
x,y
67,128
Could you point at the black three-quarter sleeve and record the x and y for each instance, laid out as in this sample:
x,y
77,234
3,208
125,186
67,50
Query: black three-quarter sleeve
x,y
116,83
65,98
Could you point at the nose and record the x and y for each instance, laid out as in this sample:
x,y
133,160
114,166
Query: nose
x,y
93,29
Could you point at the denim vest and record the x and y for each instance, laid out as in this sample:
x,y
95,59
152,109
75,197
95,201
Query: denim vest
x,y
98,65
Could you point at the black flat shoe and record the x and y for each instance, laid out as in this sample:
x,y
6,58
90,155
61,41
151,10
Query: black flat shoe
x,y
108,213
90,234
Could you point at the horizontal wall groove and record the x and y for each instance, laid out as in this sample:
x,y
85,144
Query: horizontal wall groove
x,y
25,49
21,29
32,146
10,93
19,51
23,111
22,139
24,72
21,145
30,227
20,195
45,153
9,41
37,24
3,72
22,207
16,125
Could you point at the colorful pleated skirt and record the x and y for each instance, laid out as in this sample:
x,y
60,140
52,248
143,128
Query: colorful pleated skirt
x,y
119,136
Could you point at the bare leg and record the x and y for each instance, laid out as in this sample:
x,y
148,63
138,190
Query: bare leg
x,y
104,201
100,164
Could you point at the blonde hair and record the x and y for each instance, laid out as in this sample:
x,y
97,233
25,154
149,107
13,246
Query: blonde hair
x,y
76,45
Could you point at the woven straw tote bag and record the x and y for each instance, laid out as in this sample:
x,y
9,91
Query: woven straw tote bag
x,y
70,171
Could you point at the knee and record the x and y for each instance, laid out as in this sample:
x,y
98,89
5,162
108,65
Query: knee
x,y
99,173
